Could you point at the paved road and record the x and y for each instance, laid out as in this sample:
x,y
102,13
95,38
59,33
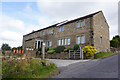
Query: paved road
x,y
102,68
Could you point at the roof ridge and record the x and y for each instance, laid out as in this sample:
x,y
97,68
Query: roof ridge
x,y
68,21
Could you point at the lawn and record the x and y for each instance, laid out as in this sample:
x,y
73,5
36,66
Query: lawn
x,y
103,55
27,68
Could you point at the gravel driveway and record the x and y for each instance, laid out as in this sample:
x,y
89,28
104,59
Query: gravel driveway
x,y
64,63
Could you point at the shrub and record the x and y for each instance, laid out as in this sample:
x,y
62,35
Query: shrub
x,y
28,68
46,49
89,50
65,50
14,57
40,49
59,49
50,51
76,47
3,52
51,48
70,49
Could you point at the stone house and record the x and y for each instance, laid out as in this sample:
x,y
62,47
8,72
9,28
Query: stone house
x,y
91,29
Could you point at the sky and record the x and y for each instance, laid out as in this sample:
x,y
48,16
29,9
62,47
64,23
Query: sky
x,y
20,17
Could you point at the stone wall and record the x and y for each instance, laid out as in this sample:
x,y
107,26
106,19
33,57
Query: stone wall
x,y
115,50
30,53
101,29
70,31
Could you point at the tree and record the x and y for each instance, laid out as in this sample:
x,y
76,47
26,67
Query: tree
x,y
115,42
5,47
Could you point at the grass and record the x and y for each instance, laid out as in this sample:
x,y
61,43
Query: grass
x,y
103,55
31,68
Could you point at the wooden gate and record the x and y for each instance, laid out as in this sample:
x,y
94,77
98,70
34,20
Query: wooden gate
x,y
76,54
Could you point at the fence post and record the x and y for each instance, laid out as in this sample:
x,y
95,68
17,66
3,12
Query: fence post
x,y
69,53
74,54
82,53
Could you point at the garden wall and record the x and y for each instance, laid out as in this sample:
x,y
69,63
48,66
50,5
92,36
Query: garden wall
x,y
30,53
62,55
116,50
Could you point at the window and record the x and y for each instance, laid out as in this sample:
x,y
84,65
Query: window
x,y
83,23
68,41
43,33
62,28
100,40
65,41
59,29
50,31
78,39
78,24
50,43
59,42
35,45
82,39
62,41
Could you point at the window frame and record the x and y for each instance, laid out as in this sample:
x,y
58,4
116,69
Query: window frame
x,y
62,41
82,39
82,23
50,43
65,41
68,41
59,29
79,24
59,42
63,28
43,32
78,40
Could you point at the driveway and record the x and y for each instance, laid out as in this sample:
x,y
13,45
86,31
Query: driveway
x,y
102,68
63,63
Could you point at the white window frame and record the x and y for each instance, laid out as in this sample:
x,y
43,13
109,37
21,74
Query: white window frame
x,y
65,41
50,43
62,43
83,39
59,42
68,42
78,40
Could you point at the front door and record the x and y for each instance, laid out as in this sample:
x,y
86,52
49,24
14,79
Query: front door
x,y
41,44
38,44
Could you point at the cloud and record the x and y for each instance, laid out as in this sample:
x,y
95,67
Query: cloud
x,y
10,35
60,10
9,22
11,30
30,28
11,38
